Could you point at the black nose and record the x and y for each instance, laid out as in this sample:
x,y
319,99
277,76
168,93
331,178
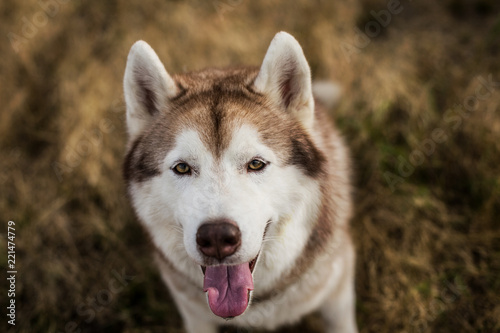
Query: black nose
x,y
218,239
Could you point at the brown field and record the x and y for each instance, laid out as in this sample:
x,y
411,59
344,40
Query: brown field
x,y
420,111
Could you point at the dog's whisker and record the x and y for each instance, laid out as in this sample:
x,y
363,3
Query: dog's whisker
x,y
270,238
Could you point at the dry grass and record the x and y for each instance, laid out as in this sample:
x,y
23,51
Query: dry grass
x,y
428,249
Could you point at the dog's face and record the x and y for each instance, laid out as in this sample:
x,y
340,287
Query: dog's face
x,y
216,156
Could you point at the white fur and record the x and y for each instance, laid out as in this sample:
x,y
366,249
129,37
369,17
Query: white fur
x,y
224,189
172,207
327,92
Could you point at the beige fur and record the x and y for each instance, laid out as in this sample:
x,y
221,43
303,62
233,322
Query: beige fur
x,y
293,216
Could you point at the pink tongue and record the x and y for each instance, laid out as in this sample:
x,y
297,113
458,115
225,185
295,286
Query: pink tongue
x,y
228,288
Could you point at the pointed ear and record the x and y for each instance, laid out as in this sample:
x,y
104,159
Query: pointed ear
x,y
286,78
147,87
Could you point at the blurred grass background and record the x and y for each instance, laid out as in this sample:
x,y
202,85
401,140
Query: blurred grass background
x,y
427,236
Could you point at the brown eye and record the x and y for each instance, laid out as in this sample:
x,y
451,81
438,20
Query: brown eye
x,y
256,165
182,169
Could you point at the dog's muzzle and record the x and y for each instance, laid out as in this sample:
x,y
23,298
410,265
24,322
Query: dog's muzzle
x,y
228,287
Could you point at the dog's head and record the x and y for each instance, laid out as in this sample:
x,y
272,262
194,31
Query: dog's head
x,y
216,156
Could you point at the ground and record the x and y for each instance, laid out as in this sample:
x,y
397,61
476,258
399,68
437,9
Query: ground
x,y
420,113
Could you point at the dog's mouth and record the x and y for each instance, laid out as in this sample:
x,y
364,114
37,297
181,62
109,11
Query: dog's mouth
x,y
228,288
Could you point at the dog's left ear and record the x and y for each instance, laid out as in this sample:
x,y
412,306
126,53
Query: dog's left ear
x,y
286,78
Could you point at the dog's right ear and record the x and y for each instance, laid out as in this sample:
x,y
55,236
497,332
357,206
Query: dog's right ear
x,y
147,87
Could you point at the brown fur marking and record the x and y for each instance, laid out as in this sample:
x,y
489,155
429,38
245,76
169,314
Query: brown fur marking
x,y
214,103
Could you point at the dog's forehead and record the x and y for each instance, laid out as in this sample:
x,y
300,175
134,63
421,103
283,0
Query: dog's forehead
x,y
215,105
215,110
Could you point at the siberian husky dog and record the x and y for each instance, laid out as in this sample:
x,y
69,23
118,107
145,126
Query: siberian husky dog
x,y
242,183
